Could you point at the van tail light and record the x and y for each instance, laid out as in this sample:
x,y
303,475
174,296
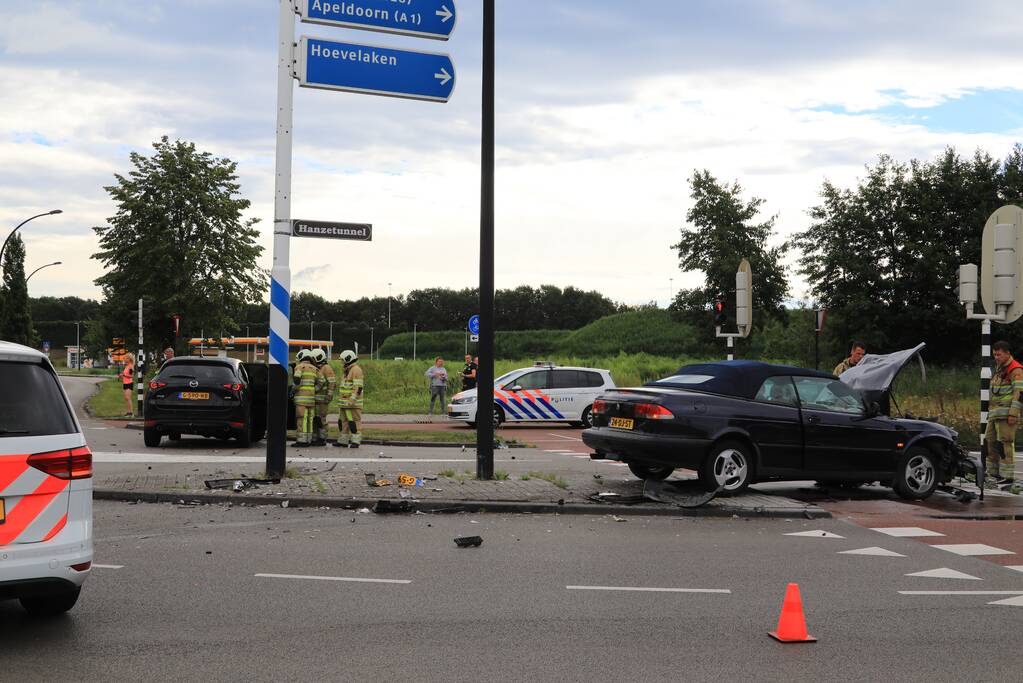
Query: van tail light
x,y
652,411
233,387
599,407
64,464
157,385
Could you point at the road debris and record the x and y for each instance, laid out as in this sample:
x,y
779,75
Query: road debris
x,y
469,541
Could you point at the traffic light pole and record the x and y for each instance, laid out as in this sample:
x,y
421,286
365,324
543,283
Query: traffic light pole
x,y
730,336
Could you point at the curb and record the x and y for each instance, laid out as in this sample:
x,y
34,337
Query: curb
x,y
439,506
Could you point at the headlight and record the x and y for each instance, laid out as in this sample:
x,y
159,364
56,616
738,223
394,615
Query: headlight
x,y
463,401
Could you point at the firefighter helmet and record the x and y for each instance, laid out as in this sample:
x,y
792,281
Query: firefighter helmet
x,y
301,355
348,356
318,356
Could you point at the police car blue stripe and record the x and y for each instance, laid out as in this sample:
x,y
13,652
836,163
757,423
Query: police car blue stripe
x,y
504,404
524,408
538,409
552,409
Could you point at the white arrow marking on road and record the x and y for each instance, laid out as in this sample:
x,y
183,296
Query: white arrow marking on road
x,y
443,76
1012,602
817,533
972,549
331,578
108,566
1014,567
875,551
961,593
944,573
444,12
906,531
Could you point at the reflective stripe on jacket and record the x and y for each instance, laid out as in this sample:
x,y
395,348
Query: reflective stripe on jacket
x,y
1006,391
327,385
352,388
306,380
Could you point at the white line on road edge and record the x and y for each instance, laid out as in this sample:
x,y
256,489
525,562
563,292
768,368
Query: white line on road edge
x,y
331,578
648,590
198,458
107,566
567,438
960,592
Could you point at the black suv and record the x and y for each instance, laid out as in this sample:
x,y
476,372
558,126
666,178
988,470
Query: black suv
x,y
215,397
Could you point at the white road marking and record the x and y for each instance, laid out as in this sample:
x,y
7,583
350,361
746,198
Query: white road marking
x,y
875,551
567,438
107,566
973,549
817,533
1012,602
944,573
98,429
332,578
960,592
1014,567
906,531
648,590
562,451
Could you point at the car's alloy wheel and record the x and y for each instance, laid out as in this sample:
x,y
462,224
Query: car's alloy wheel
x,y
917,475
728,468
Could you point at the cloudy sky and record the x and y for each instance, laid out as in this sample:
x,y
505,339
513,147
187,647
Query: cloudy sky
x,y
604,109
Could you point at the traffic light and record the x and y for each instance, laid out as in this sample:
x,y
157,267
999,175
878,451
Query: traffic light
x,y
719,313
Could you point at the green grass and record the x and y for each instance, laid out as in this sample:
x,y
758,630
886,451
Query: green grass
x,y
500,475
547,476
108,401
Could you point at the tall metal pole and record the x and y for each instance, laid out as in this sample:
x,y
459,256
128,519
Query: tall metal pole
x,y
78,346
485,372
388,305
280,274
985,375
140,370
414,326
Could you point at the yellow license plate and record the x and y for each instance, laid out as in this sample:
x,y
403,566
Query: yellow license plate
x,y
3,515
621,423
195,395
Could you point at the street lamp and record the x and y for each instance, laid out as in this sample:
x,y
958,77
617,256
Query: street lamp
x,y
4,248
388,305
55,263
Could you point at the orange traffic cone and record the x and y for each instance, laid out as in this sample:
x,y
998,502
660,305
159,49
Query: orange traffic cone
x,y
791,623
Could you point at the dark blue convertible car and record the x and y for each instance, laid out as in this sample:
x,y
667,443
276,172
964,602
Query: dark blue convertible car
x,y
739,422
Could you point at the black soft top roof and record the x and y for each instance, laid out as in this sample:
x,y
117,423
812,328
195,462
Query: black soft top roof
x,y
741,378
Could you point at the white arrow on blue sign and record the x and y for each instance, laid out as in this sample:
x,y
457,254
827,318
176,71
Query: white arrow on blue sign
x,y
373,70
423,18
474,325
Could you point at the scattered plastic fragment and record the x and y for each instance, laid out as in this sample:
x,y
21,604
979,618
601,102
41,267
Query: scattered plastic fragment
x,y
469,541
285,503
619,519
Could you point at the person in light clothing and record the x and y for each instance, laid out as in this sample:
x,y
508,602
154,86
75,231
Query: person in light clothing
x,y
438,375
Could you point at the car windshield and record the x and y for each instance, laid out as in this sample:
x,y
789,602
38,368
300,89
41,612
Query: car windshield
x,y
33,404
506,377
201,372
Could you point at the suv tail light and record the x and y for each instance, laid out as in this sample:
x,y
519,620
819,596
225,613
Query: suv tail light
x,y
652,411
64,464
233,387
157,385
599,407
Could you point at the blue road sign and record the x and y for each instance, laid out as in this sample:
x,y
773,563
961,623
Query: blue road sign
x,y
474,325
422,18
373,70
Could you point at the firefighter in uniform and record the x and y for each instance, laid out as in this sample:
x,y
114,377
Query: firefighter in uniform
x,y
349,402
307,379
1006,403
859,349
324,394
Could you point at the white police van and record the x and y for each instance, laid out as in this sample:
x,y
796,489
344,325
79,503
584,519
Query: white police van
x,y
543,393
45,487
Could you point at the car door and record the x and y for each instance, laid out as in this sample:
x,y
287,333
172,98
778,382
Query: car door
x,y
258,389
838,436
565,394
525,395
775,425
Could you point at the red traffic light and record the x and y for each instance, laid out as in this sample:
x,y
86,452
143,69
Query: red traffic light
x,y
719,306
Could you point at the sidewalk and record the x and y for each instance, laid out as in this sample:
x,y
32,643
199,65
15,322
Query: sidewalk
x,y
346,486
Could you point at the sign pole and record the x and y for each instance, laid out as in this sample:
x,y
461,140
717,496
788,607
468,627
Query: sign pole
x,y
280,274
485,372
985,375
140,370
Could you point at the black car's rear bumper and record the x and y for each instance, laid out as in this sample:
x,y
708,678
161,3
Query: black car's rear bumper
x,y
224,422
640,447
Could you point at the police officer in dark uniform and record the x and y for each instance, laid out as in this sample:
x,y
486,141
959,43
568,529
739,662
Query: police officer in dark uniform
x,y
469,373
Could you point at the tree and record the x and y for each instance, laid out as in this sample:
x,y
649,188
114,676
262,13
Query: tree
x,y
722,233
884,256
16,316
178,241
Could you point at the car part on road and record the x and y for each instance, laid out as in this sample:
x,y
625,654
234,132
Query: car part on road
x,y
245,482
469,541
728,468
648,472
685,494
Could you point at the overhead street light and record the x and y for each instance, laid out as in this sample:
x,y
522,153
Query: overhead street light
x,y
4,248
55,263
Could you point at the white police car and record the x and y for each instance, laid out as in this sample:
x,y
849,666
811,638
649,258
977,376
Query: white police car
x,y
45,487
542,393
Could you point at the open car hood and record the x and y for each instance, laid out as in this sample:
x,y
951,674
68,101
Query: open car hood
x,y
876,373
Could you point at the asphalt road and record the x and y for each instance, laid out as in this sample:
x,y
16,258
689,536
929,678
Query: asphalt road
x,y
180,598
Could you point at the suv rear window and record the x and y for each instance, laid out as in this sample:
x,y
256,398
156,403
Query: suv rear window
x,y
32,403
213,373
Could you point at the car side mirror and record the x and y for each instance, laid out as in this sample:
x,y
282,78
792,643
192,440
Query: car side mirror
x,y
516,388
